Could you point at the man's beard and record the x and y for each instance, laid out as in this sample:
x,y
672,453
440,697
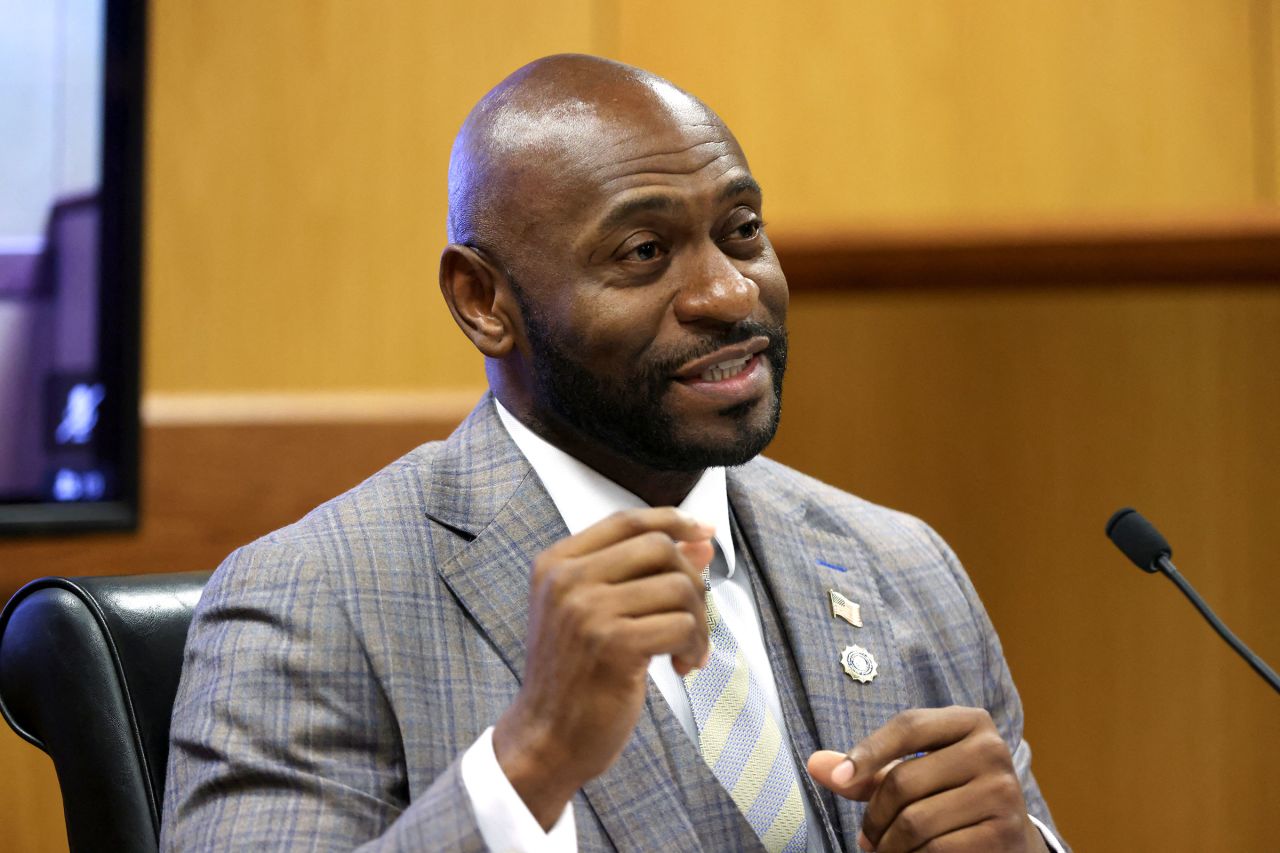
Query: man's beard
x,y
628,416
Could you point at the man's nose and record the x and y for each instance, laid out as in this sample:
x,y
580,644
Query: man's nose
x,y
716,291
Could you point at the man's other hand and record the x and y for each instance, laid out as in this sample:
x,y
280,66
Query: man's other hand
x,y
601,604
936,779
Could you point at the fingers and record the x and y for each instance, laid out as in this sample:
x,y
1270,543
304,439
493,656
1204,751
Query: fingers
x,y
631,523
909,733
631,578
903,787
665,633
672,592
940,816
672,623
647,573
651,545
698,554
657,594
641,555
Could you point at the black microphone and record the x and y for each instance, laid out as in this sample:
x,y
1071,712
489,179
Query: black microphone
x,y
1149,551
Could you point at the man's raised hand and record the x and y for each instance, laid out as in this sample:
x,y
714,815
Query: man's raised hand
x,y
958,791
601,604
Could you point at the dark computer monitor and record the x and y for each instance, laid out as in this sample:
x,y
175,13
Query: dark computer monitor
x,y
72,94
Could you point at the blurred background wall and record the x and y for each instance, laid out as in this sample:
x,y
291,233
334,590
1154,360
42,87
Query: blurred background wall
x,y
1034,257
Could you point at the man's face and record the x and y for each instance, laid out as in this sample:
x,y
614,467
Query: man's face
x,y
653,304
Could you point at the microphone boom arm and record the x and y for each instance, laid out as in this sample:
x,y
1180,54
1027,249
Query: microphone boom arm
x,y
1165,565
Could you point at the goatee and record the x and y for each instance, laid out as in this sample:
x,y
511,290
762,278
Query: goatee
x,y
627,414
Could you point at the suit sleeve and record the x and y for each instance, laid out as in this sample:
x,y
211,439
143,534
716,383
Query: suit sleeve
x,y
282,737
1000,694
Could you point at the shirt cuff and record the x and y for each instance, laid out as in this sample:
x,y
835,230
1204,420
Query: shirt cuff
x,y
1049,838
505,822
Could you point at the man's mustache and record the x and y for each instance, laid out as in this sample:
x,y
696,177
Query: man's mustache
x,y
668,364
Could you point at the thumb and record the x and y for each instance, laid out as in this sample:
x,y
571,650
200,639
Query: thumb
x,y
698,553
838,773
835,772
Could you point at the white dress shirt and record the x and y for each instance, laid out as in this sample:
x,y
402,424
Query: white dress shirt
x,y
584,497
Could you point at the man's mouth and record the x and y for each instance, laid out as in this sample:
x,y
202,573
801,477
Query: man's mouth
x,y
725,363
729,381
725,369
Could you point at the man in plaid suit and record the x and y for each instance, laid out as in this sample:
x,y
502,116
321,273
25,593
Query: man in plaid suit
x,y
487,645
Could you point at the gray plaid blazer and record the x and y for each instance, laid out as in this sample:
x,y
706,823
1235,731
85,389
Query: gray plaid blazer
x,y
337,669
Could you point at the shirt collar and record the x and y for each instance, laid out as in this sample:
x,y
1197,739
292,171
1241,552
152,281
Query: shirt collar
x,y
584,496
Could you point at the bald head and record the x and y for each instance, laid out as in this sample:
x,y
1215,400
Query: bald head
x,y
540,122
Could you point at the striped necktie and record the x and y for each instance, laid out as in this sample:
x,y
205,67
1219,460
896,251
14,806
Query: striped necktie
x,y
741,741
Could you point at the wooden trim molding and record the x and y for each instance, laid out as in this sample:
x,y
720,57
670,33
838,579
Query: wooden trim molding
x,y
448,405
1241,246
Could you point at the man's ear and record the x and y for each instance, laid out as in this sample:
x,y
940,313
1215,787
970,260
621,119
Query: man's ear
x,y
478,298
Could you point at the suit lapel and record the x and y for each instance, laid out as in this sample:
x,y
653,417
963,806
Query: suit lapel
x,y
484,489
798,563
795,706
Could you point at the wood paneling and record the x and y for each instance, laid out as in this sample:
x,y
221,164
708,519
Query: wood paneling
x,y
1240,247
852,111
32,821
1267,87
297,154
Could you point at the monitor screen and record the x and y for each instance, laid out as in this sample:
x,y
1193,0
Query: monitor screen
x,y
71,102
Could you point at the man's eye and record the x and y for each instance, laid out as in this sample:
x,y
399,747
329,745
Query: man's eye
x,y
747,230
645,251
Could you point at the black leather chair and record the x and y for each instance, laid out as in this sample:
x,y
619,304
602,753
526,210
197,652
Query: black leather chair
x,y
88,672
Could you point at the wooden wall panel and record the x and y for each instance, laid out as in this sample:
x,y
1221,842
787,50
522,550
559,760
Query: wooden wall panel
x,y
296,197
857,111
1072,251
1267,86
32,820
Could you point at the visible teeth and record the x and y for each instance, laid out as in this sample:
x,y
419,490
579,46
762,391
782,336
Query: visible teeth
x,y
724,369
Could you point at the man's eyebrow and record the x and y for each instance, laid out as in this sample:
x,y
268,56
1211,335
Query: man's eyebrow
x,y
641,204
741,186
666,204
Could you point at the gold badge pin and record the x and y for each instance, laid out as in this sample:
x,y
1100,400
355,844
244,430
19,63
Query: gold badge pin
x,y
847,610
859,663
